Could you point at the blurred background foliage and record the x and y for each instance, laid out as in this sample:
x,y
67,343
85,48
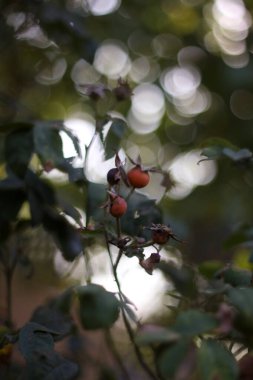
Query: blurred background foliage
x,y
189,64
189,60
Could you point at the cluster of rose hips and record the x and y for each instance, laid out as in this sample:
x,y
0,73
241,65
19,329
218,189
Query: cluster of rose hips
x,y
137,178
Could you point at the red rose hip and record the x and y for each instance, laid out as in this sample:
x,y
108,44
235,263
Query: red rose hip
x,y
118,207
137,177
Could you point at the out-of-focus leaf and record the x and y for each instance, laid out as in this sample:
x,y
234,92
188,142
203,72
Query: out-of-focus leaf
x,y
141,212
48,144
216,362
114,137
194,322
53,319
18,150
15,126
208,268
71,211
34,338
152,334
183,278
242,300
235,277
98,307
66,237
96,194
36,344
40,195
242,236
239,155
63,302
176,360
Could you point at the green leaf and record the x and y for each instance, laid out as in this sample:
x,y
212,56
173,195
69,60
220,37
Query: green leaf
x,y
194,322
53,319
235,277
208,268
151,334
242,236
36,344
141,212
171,360
183,278
98,307
242,300
66,237
34,338
216,362
114,137
18,150
48,144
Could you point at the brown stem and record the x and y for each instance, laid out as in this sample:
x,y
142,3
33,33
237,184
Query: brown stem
x,y
126,322
8,280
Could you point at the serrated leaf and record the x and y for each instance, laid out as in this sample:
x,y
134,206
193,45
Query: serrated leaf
x,y
194,322
98,307
18,150
216,362
114,137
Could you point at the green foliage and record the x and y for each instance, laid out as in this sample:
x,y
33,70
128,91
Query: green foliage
x,y
216,361
98,308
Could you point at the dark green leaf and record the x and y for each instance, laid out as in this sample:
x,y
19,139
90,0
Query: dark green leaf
x,y
194,322
48,144
34,338
171,360
98,308
242,300
216,362
235,277
12,196
183,278
53,319
18,150
243,235
151,334
114,137
66,237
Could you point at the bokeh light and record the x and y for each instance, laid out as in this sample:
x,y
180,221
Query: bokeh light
x,y
147,109
229,21
111,59
188,173
101,7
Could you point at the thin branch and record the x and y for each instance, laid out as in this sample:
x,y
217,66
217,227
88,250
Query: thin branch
x,y
126,321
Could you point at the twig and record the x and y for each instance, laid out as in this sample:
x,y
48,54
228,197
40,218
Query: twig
x,y
126,322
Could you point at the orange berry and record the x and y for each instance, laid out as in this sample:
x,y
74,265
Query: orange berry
x,y
137,177
118,207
